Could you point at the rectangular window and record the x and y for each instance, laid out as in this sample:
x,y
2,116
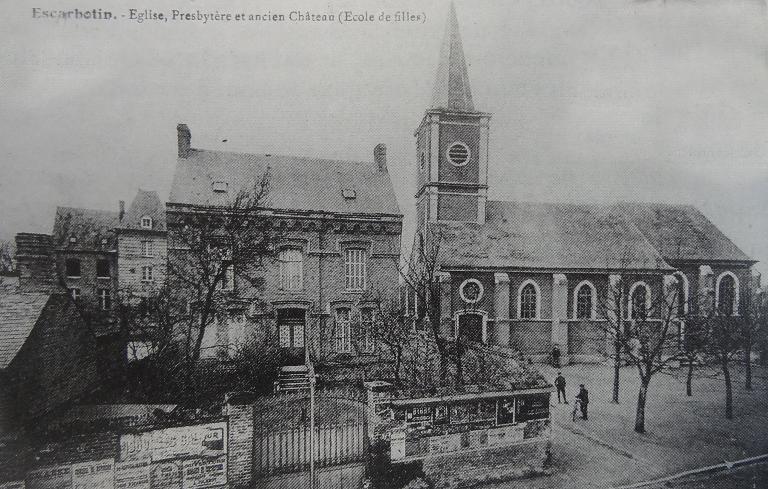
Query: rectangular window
x,y
74,293
105,299
291,270
102,269
146,249
146,274
72,266
354,269
343,343
291,328
366,331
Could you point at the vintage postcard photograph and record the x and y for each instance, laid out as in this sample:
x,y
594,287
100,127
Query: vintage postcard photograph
x,y
390,244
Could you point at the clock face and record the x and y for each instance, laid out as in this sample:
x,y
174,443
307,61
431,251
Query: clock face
x,y
471,291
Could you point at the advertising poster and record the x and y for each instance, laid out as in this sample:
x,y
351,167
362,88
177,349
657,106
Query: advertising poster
x,y
58,477
184,441
165,475
205,472
98,474
133,474
397,445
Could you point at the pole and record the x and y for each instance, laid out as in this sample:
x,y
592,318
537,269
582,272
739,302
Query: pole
x,y
311,374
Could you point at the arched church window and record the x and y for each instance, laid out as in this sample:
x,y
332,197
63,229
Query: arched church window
x,y
529,301
639,301
458,154
585,301
727,295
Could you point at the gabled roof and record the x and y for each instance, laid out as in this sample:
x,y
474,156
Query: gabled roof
x,y
296,183
19,312
146,203
547,236
682,232
89,226
451,90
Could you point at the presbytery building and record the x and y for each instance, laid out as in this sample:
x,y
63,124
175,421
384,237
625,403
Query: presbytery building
x,y
532,275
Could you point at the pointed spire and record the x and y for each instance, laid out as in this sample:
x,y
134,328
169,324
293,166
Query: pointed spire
x,y
451,90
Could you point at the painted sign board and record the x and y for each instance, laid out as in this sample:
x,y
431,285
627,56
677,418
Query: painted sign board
x,y
165,475
98,474
208,439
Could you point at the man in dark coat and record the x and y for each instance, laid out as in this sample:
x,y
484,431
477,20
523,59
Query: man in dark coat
x,y
560,384
583,397
556,356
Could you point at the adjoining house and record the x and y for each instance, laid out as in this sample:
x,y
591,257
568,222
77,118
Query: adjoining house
x,y
47,356
531,275
338,249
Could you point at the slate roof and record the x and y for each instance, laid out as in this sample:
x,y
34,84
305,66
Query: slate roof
x,y
451,90
548,236
296,183
90,226
19,313
682,232
146,203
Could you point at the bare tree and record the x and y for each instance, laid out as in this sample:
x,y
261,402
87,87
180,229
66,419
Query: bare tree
x,y
214,252
755,319
7,261
392,328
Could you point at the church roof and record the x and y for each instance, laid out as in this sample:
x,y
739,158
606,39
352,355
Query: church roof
x,y
146,203
682,232
451,91
548,236
296,183
88,226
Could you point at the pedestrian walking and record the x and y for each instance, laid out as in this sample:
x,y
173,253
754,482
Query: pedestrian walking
x,y
560,384
583,397
556,356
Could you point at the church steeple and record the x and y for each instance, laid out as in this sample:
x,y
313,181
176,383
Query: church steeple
x,y
451,91
452,143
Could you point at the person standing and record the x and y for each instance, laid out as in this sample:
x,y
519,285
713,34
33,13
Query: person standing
x,y
560,385
583,397
556,356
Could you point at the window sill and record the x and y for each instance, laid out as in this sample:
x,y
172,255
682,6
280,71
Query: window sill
x,y
73,277
103,278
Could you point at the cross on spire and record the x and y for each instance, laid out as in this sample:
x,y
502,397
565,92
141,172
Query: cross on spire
x,y
452,90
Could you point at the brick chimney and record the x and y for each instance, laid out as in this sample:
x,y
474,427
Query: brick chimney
x,y
34,259
185,140
122,210
380,156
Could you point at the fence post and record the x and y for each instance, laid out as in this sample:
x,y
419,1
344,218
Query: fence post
x,y
239,408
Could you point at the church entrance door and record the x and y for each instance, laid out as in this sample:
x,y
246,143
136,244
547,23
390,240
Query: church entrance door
x,y
471,327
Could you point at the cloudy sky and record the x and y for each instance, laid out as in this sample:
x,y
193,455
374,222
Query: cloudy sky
x,y
592,101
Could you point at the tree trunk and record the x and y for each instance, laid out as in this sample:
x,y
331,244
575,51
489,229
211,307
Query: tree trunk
x,y
748,366
689,380
728,390
616,373
641,398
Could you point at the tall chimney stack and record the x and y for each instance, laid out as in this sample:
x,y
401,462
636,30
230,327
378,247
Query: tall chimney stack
x,y
185,140
380,156
122,210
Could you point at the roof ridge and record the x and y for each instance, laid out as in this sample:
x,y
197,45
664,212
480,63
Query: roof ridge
x,y
276,155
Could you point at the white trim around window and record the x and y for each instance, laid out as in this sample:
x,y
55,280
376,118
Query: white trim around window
x,y
593,305
630,305
520,299
464,312
735,291
355,268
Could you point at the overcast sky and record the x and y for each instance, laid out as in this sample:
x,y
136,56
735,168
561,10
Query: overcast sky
x,y
591,101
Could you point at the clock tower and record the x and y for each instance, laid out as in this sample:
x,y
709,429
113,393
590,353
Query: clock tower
x,y
452,143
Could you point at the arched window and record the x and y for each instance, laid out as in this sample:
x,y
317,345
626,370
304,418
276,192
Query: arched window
x,y
584,301
727,297
528,300
681,294
291,269
639,301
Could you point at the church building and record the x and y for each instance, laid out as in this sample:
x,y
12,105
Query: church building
x,y
531,275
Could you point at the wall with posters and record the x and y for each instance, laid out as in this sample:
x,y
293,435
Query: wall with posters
x,y
179,457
